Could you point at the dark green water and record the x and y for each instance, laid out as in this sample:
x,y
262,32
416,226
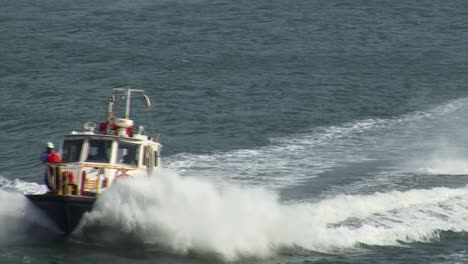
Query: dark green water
x,y
294,131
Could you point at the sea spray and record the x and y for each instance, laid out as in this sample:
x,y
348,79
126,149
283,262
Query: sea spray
x,y
12,214
20,221
185,214
440,166
445,158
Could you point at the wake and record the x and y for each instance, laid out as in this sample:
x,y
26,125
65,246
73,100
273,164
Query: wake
x,y
290,160
184,215
211,211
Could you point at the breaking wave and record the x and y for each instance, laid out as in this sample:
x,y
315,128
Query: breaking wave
x,y
189,215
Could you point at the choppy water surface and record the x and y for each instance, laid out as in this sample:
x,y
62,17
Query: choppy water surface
x,y
293,132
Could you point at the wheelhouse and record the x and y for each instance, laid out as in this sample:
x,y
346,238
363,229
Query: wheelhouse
x,y
95,158
110,150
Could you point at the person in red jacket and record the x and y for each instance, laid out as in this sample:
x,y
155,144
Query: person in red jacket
x,y
50,156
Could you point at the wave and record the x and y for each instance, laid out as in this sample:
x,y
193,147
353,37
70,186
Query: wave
x,y
24,187
189,215
292,159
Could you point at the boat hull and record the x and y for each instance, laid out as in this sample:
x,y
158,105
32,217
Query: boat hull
x,y
65,211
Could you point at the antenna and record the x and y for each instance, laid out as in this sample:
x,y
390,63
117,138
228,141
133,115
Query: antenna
x,y
129,91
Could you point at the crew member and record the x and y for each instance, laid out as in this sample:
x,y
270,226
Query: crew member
x,y
50,156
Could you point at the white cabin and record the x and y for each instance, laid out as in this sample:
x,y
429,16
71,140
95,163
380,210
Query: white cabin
x,y
93,159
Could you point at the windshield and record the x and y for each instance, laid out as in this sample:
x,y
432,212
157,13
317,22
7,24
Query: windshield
x,y
128,153
99,151
71,150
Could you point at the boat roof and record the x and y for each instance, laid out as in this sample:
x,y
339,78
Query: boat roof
x,y
117,128
134,138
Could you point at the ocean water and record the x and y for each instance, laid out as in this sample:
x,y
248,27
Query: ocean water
x,y
293,131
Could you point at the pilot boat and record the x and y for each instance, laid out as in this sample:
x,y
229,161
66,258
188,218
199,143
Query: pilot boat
x,y
94,159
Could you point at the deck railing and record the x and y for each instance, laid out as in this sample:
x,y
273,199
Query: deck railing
x,y
65,179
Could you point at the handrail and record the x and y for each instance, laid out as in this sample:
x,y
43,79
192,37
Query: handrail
x,y
98,165
58,177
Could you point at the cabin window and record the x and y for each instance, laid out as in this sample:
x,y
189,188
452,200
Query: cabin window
x,y
71,150
99,150
128,153
156,158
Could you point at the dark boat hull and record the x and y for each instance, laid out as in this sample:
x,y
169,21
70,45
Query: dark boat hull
x,y
65,211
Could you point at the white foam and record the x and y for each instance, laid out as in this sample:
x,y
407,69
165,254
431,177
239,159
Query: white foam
x,y
22,186
20,220
290,160
191,215
17,217
444,158
444,167
12,209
